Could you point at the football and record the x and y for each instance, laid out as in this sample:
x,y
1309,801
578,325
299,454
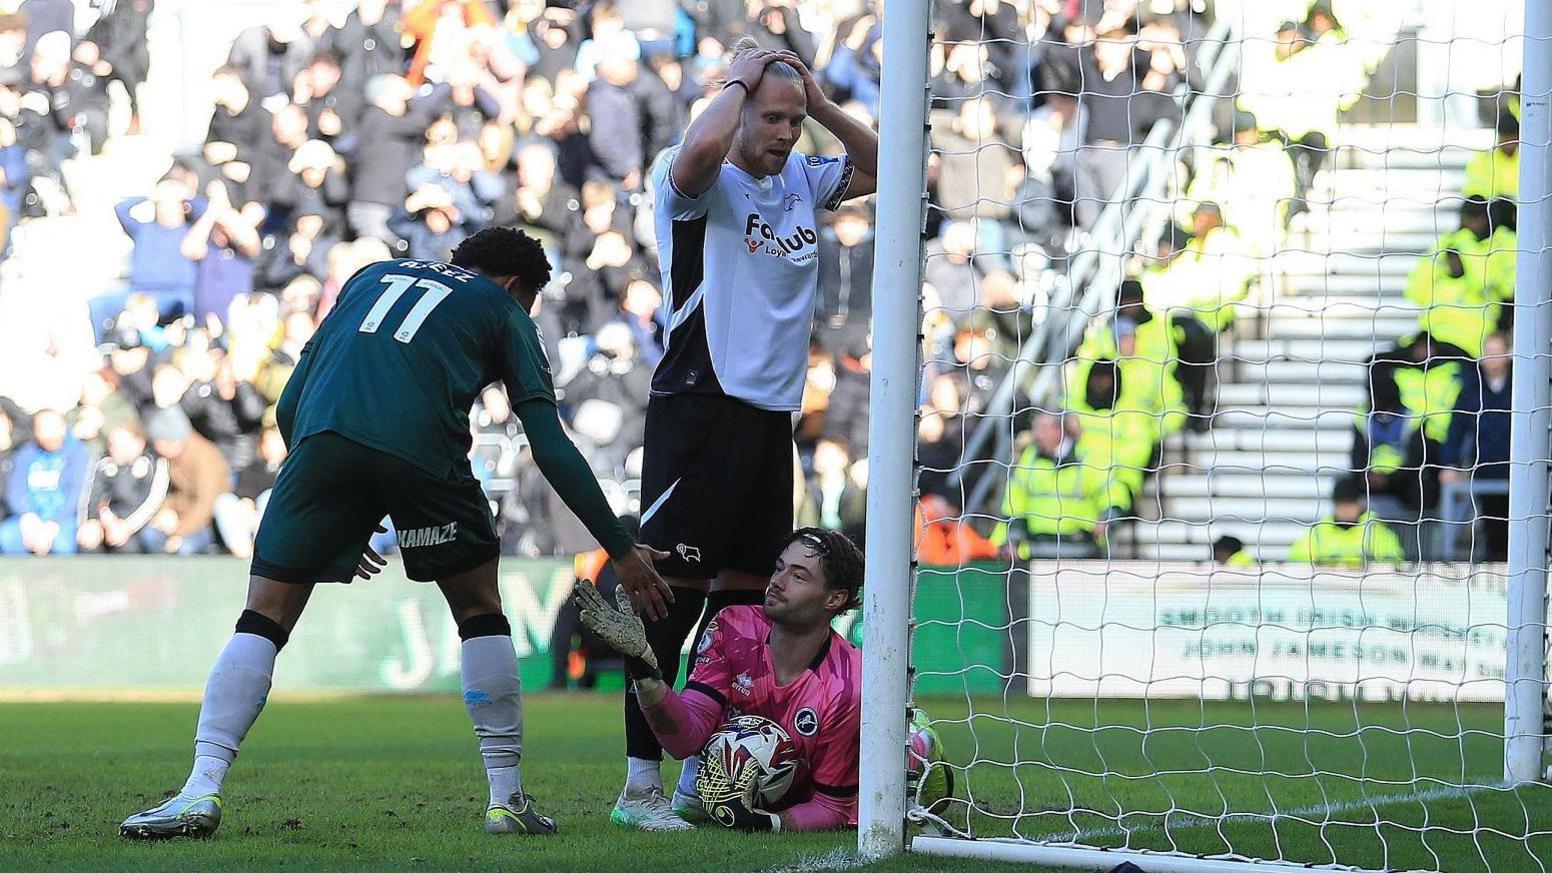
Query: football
x,y
748,749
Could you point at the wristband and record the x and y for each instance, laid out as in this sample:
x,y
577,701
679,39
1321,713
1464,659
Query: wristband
x,y
641,668
731,82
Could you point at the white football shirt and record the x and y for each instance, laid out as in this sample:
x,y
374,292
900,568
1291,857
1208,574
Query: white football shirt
x,y
740,269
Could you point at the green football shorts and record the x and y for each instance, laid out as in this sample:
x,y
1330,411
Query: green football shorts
x,y
333,492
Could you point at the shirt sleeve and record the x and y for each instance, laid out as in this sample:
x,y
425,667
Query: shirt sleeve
x,y
525,366
828,178
668,199
712,671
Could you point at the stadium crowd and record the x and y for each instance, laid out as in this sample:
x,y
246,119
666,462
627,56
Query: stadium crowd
x,y
370,129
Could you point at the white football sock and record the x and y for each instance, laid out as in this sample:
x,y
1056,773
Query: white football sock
x,y
234,696
643,774
492,692
692,765
209,772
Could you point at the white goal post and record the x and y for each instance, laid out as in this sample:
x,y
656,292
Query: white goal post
x,y
889,678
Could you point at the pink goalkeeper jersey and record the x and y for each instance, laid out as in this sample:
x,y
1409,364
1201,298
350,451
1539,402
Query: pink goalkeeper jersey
x,y
821,709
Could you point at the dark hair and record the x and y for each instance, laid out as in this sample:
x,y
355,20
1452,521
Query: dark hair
x,y
838,555
1474,206
1228,544
505,251
1348,489
1131,289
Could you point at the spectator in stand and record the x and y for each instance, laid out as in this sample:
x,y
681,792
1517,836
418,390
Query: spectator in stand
x,y
238,123
1350,536
61,102
1057,504
101,409
320,183
221,409
541,204
88,85
270,56
1205,279
332,108
1230,552
383,148
13,434
1488,248
846,417
613,384
429,224
368,43
45,17
631,110
639,312
128,485
157,266
1389,451
120,34
456,168
222,244
43,490
944,538
1477,447
1456,307
977,168
196,476
845,311
238,512
1495,173
832,499
954,265
15,181
1114,75
303,250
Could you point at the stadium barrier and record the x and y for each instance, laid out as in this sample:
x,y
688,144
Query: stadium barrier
x,y
1435,632
153,626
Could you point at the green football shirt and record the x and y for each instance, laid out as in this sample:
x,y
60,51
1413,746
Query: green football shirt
x,y
399,361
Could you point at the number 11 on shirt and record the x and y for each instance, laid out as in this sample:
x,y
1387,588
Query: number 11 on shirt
x,y
397,284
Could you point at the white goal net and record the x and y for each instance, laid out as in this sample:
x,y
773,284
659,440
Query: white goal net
x,y
1228,313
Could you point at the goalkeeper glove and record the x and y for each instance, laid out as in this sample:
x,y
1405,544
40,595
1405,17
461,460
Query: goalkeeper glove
x,y
740,814
620,628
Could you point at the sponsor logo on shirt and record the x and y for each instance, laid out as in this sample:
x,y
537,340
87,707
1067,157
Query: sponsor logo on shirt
x,y
761,238
428,536
806,722
743,684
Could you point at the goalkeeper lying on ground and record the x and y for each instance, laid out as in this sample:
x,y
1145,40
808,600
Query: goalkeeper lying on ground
x,y
781,661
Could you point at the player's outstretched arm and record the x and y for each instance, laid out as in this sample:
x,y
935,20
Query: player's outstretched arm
x,y
568,473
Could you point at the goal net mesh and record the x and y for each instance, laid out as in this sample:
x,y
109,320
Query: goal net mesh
x,y
1218,306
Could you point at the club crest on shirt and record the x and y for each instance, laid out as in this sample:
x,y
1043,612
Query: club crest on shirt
x,y
743,684
806,721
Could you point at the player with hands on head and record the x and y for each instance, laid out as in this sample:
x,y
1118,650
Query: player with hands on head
x,y
736,213
781,661
376,416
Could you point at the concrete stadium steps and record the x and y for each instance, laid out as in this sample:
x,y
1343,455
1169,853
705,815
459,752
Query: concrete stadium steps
x,y
1292,373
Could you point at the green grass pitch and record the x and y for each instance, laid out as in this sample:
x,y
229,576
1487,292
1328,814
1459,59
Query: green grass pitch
x,y
395,783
